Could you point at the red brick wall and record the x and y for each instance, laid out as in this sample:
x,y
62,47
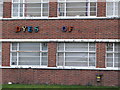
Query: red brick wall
x,y
53,8
101,8
101,51
52,29
5,54
52,47
7,9
66,77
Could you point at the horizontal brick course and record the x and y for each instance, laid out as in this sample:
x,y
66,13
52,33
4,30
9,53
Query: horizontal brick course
x,y
63,77
52,29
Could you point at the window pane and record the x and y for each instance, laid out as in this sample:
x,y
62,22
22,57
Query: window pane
x,y
14,58
109,8
44,46
110,57
80,64
61,10
60,59
116,8
44,59
60,46
32,1
29,58
109,64
15,10
92,47
29,46
92,59
110,47
14,46
1,8
117,47
76,46
0,53
29,61
33,10
45,9
76,9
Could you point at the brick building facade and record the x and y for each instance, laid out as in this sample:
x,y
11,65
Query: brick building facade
x,y
60,48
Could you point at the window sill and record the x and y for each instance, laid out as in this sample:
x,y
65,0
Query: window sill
x,y
56,18
58,68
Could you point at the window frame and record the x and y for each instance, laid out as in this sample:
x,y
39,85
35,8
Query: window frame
x,y
1,3
17,51
79,67
65,16
114,7
41,16
113,52
0,54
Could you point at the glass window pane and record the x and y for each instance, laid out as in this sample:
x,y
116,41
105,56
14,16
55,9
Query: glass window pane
x,y
14,58
60,59
61,10
76,46
44,47
60,46
14,46
45,9
33,10
92,57
29,61
44,60
110,47
15,10
76,9
32,1
1,9
29,46
109,8
109,64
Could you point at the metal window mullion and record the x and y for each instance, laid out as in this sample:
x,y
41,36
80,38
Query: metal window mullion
x,y
24,8
95,55
113,54
40,53
88,53
114,8
64,56
65,8
12,8
11,53
96,7
18,46
19,8
41,4
88,7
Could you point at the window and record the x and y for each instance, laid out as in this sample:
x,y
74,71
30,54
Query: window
x,y
1,8
112,55
29,54
77,8
112,8
76,54
30,8
0,53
